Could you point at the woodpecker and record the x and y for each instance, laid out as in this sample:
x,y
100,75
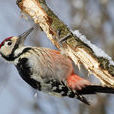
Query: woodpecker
x,y
47,70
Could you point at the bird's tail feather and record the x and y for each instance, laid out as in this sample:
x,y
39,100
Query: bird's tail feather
x,y
93,89
83,99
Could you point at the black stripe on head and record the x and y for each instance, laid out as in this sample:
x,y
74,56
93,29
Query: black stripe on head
x,y
12,57
16,47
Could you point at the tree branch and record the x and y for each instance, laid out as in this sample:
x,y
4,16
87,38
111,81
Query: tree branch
x,y
74,47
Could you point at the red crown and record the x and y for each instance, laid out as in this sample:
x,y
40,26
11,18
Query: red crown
x,y
2,43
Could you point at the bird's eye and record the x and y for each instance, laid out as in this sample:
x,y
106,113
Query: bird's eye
x,y
9,43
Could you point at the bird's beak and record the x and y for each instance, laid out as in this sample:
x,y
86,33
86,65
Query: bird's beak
x,y
23,36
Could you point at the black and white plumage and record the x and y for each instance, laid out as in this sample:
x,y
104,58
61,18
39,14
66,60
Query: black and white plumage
x,y
46,70
43,83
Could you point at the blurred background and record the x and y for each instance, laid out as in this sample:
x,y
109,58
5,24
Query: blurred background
x,y
94,18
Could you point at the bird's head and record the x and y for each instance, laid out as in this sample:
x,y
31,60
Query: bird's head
x,y
10,44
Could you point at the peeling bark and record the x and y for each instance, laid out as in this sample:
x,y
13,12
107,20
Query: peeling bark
x,y
73,47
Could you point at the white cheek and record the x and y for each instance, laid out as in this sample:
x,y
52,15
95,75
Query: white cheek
x,y
5,50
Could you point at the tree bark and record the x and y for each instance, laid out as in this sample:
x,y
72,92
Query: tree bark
x,y
73,47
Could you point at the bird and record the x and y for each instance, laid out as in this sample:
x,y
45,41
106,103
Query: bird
x,y
47,70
